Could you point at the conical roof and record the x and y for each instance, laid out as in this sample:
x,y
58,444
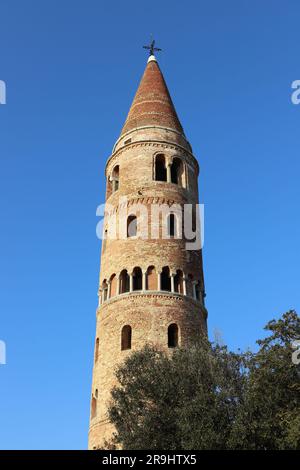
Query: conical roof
x,y
152,104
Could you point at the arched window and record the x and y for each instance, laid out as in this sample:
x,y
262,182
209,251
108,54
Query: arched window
x,y
124,281
115,178
131,226
113,285
160,168
173,336
104,290
96,349
151,278
177,171
178,282
194,218
94,407
137,279
172,225
126,338
166,279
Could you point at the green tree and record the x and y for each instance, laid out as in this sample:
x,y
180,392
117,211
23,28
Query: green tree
x,y
185,400
206,397
270,415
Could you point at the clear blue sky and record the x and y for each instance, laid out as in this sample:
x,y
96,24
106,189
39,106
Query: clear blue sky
x,y
71,69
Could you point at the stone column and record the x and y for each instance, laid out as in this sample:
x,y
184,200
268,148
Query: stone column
x,y
130,282
194,290
144,280
169,172
99,297
118,285
172,282
108,290
184,280
159,280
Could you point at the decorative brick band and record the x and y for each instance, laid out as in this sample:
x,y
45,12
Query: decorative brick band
x,y
153,295
142,200
142,128
153,143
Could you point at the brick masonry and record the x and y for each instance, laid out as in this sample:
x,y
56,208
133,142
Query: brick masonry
x,y
152,127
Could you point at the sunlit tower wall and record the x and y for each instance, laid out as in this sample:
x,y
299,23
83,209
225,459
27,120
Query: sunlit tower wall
x,y
151,289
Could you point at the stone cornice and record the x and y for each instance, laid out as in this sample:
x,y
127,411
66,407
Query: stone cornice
x,y
143,128
152,295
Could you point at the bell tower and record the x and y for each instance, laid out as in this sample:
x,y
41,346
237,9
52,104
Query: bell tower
x,y
151,287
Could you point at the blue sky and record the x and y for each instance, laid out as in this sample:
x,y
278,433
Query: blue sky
x,y
71,70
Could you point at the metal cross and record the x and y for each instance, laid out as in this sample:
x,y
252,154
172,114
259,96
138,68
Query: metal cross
x,y
152,47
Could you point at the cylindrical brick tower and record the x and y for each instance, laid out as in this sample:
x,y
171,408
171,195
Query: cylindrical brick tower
x,y
151,287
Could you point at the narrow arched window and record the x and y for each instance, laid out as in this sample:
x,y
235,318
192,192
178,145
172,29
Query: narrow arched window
x,y
131,226
195,219
166,279
173,336
96,349
126,337
178,282
160,168
151,278
172,225
104,290
94,407
113,285
137,279
177,171
115,178
124,281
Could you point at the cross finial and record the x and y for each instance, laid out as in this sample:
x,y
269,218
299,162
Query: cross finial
x,y
152,47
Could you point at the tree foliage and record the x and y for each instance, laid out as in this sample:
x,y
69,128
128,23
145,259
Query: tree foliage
x,y
270,416
206,397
